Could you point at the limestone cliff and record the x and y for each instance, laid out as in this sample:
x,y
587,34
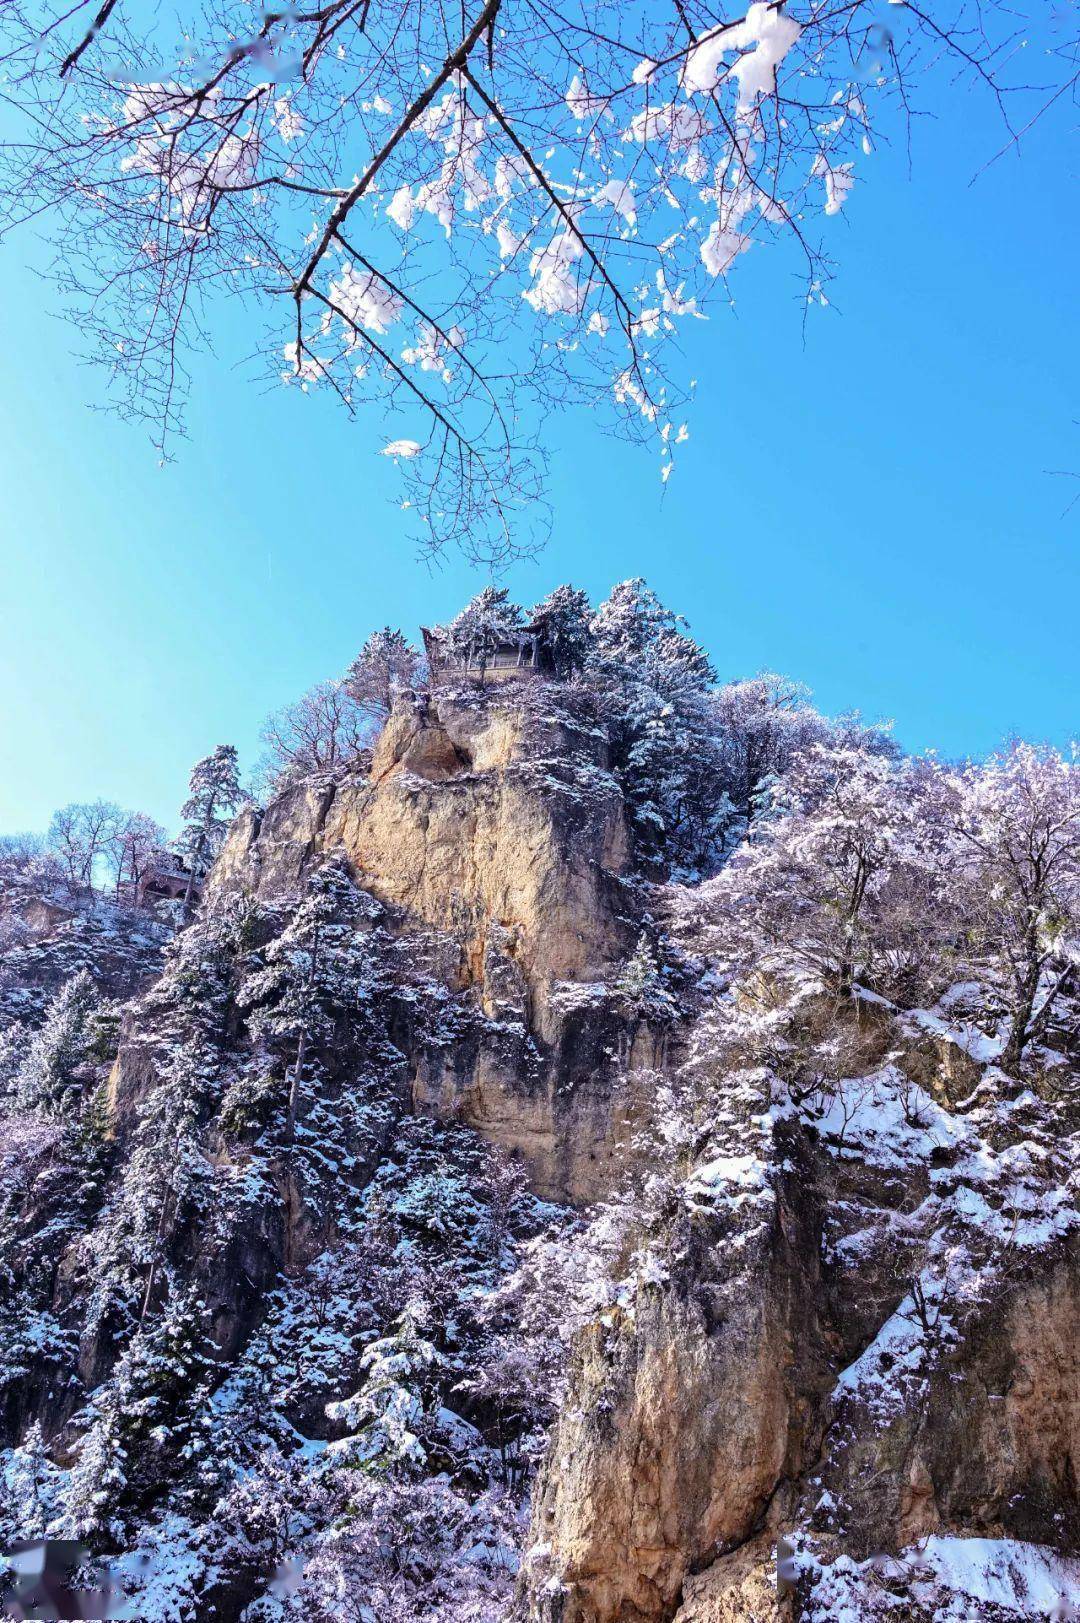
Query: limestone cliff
x,y
491,829
866,1335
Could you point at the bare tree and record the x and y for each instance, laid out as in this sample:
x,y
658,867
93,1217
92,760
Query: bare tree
x,y
132,846
469,215
81,835
325,730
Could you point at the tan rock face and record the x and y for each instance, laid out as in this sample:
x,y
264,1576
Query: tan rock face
x,y
989,1447
492,830
1002,1434
679,1429
739,1588
478,813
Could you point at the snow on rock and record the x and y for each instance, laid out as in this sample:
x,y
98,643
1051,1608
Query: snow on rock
x,y
957,1580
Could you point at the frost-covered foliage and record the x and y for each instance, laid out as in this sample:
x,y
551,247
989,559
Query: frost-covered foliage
x,y
385,664
213,795
489,619
479,218
562,620
61,1052
697,761
260,1329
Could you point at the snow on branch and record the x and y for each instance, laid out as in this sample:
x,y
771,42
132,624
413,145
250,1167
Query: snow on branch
x,y
461,216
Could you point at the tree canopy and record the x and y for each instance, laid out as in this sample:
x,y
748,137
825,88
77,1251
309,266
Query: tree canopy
x,y
467,216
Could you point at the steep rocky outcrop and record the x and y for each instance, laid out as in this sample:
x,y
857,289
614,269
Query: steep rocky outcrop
x,y
849,1351
491,829
49,941
687,1416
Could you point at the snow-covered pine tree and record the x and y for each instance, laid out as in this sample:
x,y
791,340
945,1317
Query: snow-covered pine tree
x,y
562,620
386,1417
318,977
28,1489
153,1408
640,985
52,1074
654,681
213,795
489,619
386,662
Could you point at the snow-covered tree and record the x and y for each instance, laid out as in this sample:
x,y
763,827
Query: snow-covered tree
x,y
840,880
412,1554
325,730
317,980
563,619
641,986
387,662
762,723
82,835
52,1075
132,848
28,859
1017,871
147,1426
578,183
654,681
387,1418
488,620
213,795
28,1489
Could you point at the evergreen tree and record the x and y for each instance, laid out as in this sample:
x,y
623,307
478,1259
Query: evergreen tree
x,y
641,987
654,681
386,662
213,795
150,1427
562,619
28,1489
318,977
387,1415
490,619
14,1043
51,1076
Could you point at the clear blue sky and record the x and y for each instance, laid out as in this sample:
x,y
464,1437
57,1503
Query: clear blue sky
x,y
868,512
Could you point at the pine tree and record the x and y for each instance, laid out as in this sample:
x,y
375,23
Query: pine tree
x,y
318,977
387,1414
654,681
562,619
641,985
387,662
214,794
473,636
28,1488
153,1409
52,1074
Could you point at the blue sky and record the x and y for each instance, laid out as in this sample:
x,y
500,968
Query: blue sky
x,y
866,510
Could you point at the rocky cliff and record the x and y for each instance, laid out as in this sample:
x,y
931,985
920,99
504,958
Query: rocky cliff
x,y
863,1338
447,1175
491,829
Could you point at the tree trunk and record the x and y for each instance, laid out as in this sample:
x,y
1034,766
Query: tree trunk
x,y
1020,1030
196,858
294,1090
